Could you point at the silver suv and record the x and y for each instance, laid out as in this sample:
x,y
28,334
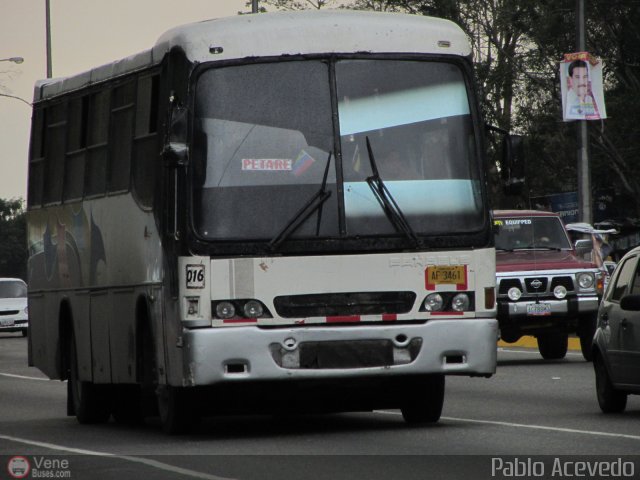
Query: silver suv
x,y
616,344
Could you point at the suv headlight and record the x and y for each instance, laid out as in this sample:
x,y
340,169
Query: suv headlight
x,y
586,280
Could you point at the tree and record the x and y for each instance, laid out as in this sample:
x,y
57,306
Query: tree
x,y
517,47
13,239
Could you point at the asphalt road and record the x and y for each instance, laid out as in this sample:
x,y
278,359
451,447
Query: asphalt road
x,y
535,417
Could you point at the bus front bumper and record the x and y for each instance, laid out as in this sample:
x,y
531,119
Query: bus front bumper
x,y
236,354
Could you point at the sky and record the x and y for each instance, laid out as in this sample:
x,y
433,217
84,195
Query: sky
x,y
84,34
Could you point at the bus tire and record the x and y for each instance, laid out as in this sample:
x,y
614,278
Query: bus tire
x,y
88,401
553,346
176,411
127,405
423,400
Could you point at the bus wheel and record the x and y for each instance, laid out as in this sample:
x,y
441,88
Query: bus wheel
x,y
89,402
553,346
423,400
127,404
176,411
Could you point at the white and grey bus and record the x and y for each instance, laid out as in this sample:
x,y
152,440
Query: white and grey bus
x,y
263,213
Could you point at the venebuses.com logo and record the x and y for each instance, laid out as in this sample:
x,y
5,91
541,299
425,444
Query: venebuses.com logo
x,y
18,467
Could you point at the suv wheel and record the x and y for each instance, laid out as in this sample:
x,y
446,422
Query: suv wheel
x,y
586,330
553,346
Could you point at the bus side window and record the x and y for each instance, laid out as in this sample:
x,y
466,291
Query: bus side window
x,y
121,138
96,167
76,149
56,124
36,159
145,143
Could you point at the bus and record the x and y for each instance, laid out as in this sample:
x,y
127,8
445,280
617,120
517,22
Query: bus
x,y
263,213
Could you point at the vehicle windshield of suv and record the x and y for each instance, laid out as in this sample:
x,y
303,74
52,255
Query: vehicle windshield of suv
x,y
530,233
11,289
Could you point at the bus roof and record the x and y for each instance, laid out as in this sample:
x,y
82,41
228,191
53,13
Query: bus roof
x,y
282,33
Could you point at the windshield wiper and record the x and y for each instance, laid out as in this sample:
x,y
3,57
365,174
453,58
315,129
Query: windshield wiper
x,y
391,209
313,204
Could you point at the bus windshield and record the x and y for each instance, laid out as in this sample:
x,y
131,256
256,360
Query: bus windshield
x,y
264,134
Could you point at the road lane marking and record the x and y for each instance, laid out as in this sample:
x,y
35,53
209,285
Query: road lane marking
x,y
534,427
145,461
24,377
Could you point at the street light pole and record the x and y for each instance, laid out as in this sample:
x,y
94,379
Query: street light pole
x,y
48,31
17,60
584,175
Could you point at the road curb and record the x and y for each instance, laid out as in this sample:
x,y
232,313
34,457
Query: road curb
x,y
531,342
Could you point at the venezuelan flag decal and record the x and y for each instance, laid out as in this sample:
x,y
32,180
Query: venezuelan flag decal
x,y
302,163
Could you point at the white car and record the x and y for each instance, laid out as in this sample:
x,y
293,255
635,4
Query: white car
x,y
14,315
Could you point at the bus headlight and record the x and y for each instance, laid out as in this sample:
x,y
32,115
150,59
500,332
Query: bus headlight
x,y
585,280
433,302
253,309
460,302
238,309
225,310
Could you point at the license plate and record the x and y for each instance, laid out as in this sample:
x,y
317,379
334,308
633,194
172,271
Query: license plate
x,y
6,323
539,309
449,275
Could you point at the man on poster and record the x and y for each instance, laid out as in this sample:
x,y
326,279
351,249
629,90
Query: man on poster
x,y
582,89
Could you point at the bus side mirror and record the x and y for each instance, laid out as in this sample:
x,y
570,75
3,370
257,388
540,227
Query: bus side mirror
x,y
513,164
175,154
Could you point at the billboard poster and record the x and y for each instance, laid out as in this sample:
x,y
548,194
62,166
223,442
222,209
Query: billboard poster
x,y
581,87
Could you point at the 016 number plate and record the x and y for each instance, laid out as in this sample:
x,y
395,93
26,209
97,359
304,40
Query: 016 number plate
x,y
539,309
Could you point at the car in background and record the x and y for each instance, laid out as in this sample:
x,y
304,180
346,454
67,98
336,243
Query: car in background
x,y
14,315
545,288
616,344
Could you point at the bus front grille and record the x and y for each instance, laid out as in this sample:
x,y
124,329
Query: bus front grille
x,y
341,304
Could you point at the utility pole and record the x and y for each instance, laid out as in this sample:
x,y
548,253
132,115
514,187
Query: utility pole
x,y
48,31
585,207
254,6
